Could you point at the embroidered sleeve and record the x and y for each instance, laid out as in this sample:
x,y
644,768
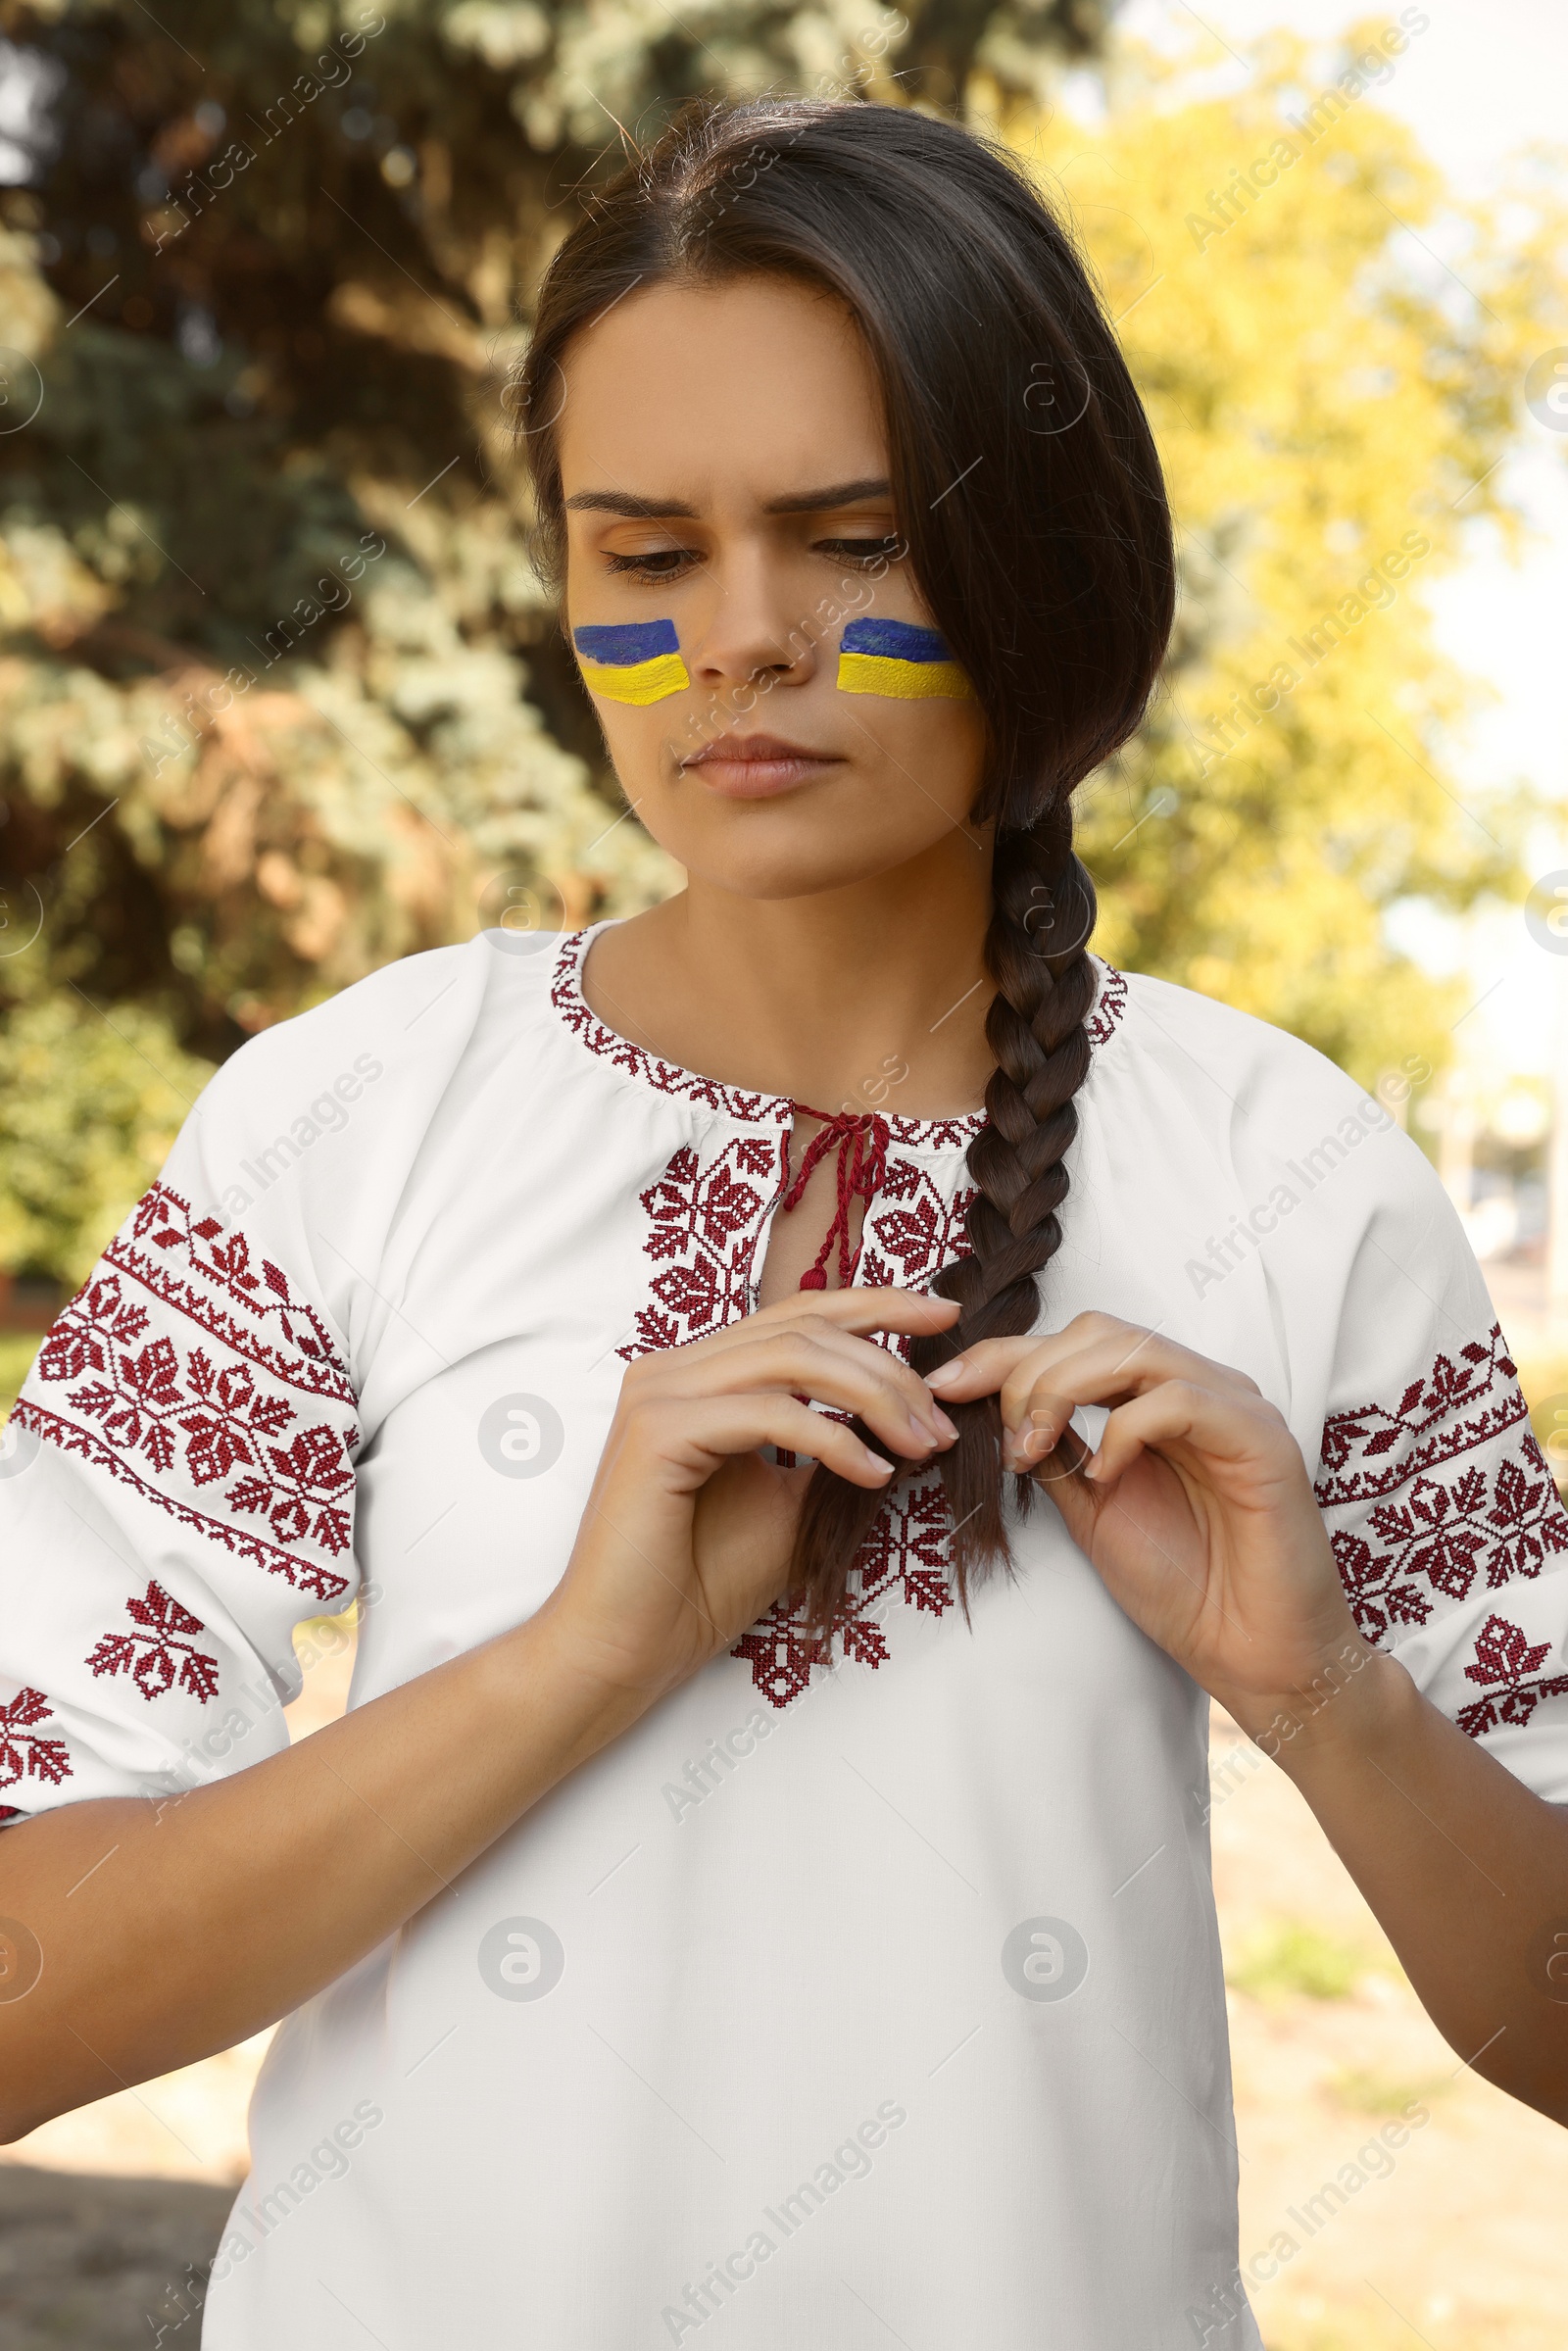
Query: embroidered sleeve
x,y
1453,1544
177,1491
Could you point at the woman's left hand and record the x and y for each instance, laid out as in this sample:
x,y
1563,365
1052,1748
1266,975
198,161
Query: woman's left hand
x,y
1196,1509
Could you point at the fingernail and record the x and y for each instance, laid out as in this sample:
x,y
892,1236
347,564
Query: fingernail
x,y
1091,1468
946,1428
925,1437
945,1373
883,1468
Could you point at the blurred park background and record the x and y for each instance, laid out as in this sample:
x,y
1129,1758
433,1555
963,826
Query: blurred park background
x,y
281,699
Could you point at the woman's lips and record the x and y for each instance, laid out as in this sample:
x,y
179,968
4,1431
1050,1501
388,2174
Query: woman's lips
x,y
756,766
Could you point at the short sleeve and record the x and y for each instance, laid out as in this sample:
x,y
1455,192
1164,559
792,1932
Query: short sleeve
x,y
1451,1541
177,1492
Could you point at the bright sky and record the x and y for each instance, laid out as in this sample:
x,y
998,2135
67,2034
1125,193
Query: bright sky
x,y
1486,78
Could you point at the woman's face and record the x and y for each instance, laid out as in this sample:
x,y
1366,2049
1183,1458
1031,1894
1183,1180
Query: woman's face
x,y
724,465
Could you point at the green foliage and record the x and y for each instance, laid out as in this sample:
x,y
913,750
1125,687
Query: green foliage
x,y
1290,1956
69,1076
1385,2094
280,696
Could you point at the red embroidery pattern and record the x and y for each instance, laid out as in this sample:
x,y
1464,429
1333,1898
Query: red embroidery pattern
x,y
1508,1525
770,1109
174,1420
24,1753
1457,1407
905,1556
1504,1658
908,1240
566,995
1111,1004
155,1658
706,1215
706,1222
1440,1495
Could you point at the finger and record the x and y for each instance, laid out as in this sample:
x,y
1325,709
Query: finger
x,y
986,1368
1095,1358
860,1310
1241,1432
830,1366
1036,1405
694,1437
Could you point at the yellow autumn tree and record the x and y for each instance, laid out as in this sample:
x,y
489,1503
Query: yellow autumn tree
x,y
1331,349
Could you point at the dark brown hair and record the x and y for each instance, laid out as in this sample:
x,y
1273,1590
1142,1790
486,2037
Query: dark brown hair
x,y
1028,491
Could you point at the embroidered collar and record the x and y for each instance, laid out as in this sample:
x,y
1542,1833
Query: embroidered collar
x,y
737,1102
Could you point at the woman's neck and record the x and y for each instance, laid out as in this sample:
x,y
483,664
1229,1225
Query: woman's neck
x,y
872,998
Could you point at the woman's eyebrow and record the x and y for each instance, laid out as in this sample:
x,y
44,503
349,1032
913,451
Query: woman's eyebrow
x,y
823,502
624,501
656,510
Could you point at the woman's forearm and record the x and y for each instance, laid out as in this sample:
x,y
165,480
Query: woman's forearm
x,y
1466,1870
168,1930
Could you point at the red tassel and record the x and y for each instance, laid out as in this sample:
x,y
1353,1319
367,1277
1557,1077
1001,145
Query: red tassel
x,y
860,1141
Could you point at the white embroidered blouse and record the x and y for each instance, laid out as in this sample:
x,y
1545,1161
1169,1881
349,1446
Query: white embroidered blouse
x,y
835,2000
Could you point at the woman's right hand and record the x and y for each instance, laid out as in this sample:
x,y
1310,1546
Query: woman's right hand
x,y
688,1530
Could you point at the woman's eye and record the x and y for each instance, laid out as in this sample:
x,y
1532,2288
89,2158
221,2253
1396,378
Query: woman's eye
x,y
664,562
886,550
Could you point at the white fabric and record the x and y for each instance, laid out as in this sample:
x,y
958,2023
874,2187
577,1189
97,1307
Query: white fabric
x,y
895,1988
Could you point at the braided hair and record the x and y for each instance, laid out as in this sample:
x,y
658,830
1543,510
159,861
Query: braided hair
x,y
1029,494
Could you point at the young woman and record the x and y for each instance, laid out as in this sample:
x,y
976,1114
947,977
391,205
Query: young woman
x,y
814,1388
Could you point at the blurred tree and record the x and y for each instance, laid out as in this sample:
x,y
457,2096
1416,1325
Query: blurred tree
x,y
280,695
1333,402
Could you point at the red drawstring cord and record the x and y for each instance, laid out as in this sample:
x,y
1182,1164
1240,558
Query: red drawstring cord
x,y
861,1140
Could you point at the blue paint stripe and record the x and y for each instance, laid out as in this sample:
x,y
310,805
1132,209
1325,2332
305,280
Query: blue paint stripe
x,y
897,640
622,643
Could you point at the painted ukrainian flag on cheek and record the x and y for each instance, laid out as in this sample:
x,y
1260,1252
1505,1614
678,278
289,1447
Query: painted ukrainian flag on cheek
x,y
895,657
631,661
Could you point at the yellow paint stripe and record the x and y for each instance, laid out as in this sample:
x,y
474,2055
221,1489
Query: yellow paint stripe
x,y
639,682
905,681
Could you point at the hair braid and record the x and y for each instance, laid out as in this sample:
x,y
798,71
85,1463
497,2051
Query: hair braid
x,y
1036,951
1051,578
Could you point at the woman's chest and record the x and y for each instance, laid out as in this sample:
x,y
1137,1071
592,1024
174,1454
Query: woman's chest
x,y
514,1293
